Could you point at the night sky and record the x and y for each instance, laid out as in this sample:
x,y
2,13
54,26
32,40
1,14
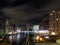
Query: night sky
x,y
21,11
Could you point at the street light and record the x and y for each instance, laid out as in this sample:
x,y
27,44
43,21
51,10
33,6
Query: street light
x,y
53,33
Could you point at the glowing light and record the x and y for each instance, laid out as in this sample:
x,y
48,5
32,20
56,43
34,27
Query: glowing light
x,y
51,14
10,33
36,31
36,27
53,33
57,19
53,11
43,31
47,37
58,41
37,37
41,39
18,31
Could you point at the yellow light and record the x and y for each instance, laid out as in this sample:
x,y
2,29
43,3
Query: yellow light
x,y
37,38
58,41
41,39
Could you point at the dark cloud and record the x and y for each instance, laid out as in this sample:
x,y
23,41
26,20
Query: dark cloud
x,y
24,10
14,3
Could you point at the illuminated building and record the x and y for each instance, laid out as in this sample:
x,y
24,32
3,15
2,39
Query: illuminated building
x,y
54,21
4,24
1,24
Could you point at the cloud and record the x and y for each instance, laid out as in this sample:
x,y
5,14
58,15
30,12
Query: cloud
x,y
28,11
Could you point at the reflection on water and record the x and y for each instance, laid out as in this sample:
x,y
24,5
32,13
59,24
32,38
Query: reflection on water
x,y
18,39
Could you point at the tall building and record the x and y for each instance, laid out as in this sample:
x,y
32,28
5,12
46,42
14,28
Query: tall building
x,y
4,24
54,21
1,24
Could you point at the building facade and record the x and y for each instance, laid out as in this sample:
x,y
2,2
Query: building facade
x,y
54,21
